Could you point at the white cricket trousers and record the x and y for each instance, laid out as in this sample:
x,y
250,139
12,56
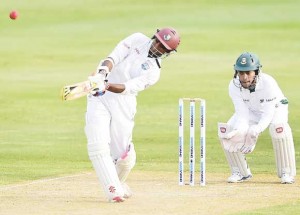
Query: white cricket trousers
x,y
112,117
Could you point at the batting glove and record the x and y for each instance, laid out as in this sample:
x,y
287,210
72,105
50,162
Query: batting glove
x,y
99,84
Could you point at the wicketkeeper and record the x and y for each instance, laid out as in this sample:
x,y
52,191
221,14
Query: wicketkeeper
x,y
259,103
133,66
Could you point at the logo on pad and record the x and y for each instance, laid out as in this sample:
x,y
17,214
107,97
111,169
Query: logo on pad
x,y
223,130
279,130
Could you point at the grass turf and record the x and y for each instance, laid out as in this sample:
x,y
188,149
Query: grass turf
x,y
56,43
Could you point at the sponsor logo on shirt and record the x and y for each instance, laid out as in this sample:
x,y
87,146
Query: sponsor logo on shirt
x,y
246,100
137,51
126,45
269,100
145,66
261,100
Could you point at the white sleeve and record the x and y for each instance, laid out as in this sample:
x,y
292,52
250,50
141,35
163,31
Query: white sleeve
x,y
122,50
241,109
140,83
267,116
271,94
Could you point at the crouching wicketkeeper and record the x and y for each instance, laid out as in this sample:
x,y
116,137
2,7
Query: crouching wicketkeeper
x,y
259,103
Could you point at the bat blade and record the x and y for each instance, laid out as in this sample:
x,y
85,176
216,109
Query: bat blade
x,y
76,91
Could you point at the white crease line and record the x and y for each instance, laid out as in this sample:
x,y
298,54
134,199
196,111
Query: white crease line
x,y
41,181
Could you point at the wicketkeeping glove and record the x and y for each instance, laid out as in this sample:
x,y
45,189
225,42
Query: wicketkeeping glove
x,y
233,140
230,134
251,139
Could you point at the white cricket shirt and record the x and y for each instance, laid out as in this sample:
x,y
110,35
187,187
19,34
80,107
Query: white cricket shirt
x,y
262,102
133,67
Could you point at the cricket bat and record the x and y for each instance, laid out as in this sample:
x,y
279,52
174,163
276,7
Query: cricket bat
x,y
76,91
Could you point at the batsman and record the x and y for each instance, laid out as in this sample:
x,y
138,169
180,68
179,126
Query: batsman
x,y
259,103
133,66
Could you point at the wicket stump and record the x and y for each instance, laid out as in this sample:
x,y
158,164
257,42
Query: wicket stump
x,y
202,111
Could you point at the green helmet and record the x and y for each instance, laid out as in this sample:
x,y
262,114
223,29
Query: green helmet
x,y
247,62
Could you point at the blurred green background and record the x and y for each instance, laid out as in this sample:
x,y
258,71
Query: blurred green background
x,y
55,43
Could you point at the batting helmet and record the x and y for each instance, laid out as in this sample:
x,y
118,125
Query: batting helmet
x,y
169,38
247,62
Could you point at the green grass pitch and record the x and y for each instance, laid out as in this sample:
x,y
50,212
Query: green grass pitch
x,y
55,43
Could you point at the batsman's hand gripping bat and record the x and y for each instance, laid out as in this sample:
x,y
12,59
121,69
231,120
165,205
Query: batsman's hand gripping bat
x,y
96,85
77,90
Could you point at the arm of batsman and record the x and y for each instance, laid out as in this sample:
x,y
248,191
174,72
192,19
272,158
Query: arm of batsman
x,y
251,139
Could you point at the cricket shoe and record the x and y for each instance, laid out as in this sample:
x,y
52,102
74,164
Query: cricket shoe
x,y
287,179
127,191
115,196
117,199
237,177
